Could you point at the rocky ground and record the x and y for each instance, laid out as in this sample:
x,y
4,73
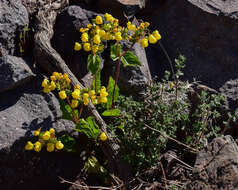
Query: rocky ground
x,y
204,31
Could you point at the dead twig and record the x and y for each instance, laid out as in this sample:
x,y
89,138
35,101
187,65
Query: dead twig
x,y
168,137
165,180
86,187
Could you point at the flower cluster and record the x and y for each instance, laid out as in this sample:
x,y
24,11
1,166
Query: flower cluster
x,y
47,139
57,80
75,96
95,35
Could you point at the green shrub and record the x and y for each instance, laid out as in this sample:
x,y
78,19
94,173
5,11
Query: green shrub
x,y
167,109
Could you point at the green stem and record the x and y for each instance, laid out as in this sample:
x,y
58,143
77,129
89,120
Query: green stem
x,y
95,82
116,80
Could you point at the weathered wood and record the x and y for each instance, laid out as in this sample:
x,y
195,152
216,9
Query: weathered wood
x,y
49,60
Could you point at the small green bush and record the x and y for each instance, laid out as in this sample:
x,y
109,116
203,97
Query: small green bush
x,y
167,108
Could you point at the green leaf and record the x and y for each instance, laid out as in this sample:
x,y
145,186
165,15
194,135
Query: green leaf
x,y
114,51
88,127
68,142
98,81
93,63
110,88
67,112
129,59
113,113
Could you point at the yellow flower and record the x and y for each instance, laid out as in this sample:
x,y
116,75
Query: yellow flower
x,y
77,46
76,94
99,20
46,89
128,24
132,27
144,42
59,145
115,22
84,37
74,103
52,85
85,95
50,147
37,132
96,39
103,88
77,86
103,136
65,76
103,100
46,136
103,92
37,146
92,92
44,83
60,76
152,39
102,33
52,131
68,80
29,146
109,17
89,26
86,47
118,36
95,49
85,99
171,85
147,24
107,36
157,35
62,95
142,26
53,78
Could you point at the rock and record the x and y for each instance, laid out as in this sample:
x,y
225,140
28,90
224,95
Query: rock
x,y
131,80
13,72
121,8
66,33
13,18
230,90
208,46
21,112
216,166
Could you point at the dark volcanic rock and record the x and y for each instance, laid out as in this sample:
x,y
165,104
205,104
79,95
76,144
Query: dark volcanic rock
x,y
66,33
216,166
13,72
21,112
132,80
205,32
13,18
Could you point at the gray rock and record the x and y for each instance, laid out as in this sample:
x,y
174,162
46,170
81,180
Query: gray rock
x,y
21,112
132,80
205,32
13,72
230,89
13,18
216,166
66,33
